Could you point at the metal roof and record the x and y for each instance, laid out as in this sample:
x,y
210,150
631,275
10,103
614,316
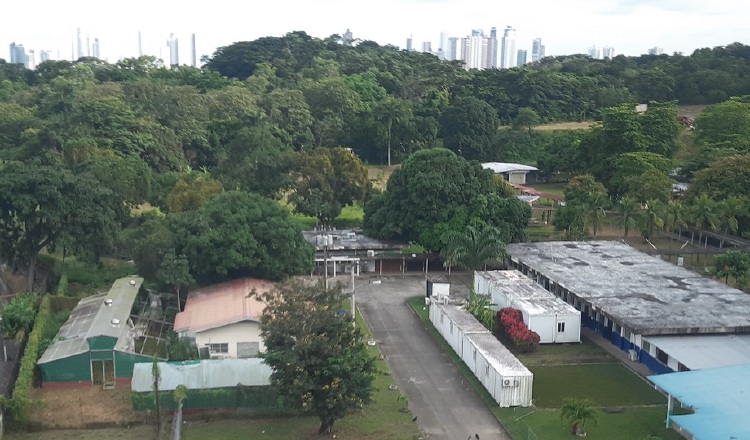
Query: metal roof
x,y
545,306
504,276
200,375
222,304
718,397
645,293
93,317
502,167
463,319
503,361
699,352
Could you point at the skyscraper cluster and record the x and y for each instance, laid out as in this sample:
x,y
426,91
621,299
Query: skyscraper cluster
x,y
481,51
601,53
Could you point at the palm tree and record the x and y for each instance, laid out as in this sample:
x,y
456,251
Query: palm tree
x,y
480,306
474,247
627,211
729,209
596,210
578,413
650,219
674,216
703,215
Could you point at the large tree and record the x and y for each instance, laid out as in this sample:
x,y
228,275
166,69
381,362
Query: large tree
x,y
320,363
436,191
468,127
475,247
327,180
42,207
241,234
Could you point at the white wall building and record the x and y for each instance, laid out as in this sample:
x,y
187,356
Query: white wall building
x,y
225,318
508,381
554,320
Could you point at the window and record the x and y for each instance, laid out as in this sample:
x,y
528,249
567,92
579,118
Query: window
x,y
662,356
220,348
560,327
486,369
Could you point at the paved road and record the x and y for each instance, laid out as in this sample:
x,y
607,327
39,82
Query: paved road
x,y
446,407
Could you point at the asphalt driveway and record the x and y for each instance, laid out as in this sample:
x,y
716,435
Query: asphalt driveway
x,y
446,407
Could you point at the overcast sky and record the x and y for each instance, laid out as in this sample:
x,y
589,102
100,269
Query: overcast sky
x,y
565,26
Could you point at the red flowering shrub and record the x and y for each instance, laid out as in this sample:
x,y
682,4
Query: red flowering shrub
x,y
513,327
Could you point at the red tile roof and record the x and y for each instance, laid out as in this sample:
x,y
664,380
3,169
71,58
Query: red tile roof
x,y
222,304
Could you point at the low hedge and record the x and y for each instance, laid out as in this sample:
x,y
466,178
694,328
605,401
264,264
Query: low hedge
x,y
21,403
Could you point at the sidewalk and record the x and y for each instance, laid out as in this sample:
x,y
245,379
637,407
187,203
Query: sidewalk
x,y
636,367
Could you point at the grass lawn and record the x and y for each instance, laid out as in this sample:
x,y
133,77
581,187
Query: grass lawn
x,y
350,217
606,384
634,409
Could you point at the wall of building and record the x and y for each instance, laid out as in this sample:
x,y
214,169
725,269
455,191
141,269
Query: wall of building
x,y
240,332
75,369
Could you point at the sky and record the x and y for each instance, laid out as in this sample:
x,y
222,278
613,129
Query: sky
x,y
565,26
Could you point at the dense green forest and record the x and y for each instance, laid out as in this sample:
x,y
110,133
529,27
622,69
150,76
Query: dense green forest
x,y
289,122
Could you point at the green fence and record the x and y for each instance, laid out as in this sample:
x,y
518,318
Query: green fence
x,y
260,399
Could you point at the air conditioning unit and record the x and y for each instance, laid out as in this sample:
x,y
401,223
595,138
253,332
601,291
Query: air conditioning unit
x,y
370,253
633,355
510,383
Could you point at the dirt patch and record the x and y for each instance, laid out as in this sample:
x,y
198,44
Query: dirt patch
x,y
379,174
690,110
585,125
84,407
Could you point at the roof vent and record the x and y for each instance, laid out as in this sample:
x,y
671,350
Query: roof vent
x,y
132,282
108,302
115,321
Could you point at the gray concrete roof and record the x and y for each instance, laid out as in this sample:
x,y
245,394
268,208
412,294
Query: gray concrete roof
x,y
504,276
645,293
503,361
349,239
463,319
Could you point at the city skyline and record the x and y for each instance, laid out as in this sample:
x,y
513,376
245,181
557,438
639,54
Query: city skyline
x,y
631,26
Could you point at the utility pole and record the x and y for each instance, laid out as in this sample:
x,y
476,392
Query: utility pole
x,y
354,302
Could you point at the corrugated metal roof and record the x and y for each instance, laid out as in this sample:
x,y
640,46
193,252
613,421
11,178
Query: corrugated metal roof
x,y
717,395
222,304
700,352
645,293
203,374
92,317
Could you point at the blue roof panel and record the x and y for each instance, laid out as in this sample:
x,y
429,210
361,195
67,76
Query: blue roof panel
x,y
718,397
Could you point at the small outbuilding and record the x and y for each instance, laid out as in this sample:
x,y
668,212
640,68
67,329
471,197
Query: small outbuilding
x,y
224,319
512,172
96,345
502,374
211,384
554,320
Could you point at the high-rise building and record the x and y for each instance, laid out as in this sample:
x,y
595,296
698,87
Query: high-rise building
x,y
409,43
493,47
31,60
596,52
453,52
427,46
79,44
537,50
88,46
347,38
95,50
174,52
656,51
193,52
44,55
508,48
521,59
443,45
609,52
18,54
140,45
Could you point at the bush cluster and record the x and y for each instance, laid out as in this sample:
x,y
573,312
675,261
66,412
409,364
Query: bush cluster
x,y
513,327
20,403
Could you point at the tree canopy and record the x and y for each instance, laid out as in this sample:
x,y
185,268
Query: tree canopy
x,y
436,191
320,363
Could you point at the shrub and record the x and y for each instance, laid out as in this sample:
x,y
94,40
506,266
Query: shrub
x,y
20,403
19,314
513,327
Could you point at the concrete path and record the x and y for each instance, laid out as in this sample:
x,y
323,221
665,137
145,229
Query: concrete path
x,y
446,407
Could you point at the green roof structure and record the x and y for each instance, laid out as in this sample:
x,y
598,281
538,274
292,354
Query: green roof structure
x,y
97,343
